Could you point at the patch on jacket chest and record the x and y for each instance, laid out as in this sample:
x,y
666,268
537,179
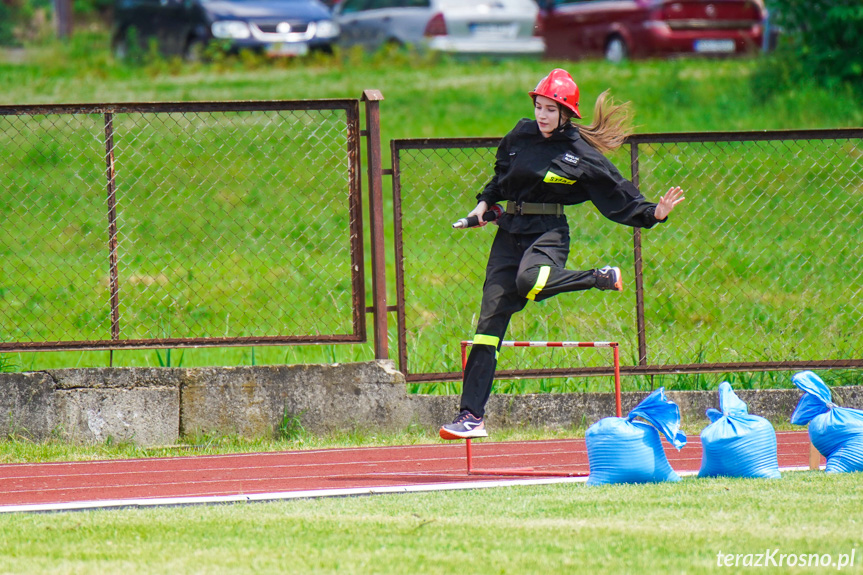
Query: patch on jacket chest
x,y
571,159
552,178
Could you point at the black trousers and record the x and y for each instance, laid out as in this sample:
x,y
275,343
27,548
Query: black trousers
x,y
521,267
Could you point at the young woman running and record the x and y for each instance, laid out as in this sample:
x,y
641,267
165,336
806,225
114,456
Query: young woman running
x,y
541,166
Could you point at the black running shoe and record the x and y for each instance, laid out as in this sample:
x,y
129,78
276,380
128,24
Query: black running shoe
x,y
464,426
608,278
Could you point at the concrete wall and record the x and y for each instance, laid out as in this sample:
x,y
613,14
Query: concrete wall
x,y
253,401
157,406
125,404
27,404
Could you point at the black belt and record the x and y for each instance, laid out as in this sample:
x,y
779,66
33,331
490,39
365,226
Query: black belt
x,y
527,208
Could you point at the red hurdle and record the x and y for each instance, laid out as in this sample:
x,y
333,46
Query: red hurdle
x,y
529,471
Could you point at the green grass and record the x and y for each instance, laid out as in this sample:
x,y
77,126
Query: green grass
x,y
564,528
431,96
425,96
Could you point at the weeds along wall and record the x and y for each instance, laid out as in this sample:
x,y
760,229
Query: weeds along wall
x,y
242,223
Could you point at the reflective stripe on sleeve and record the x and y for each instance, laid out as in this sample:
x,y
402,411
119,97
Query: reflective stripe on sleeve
x,y
480,339
540,282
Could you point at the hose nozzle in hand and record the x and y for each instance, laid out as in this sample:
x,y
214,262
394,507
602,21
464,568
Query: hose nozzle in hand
x,y
490,215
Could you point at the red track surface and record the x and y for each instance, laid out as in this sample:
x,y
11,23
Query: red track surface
x,y
318,472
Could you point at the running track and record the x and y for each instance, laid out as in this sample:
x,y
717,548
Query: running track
x,y
318,473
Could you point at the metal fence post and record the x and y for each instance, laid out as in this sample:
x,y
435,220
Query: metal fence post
x,y
112,227
376,220
639,269
63,15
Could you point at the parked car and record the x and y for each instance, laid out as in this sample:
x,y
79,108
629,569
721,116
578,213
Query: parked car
x,y
618,29
184,27
463,26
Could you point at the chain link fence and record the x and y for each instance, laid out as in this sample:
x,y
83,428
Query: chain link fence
x,y
764,265
219,224
180,224
759,269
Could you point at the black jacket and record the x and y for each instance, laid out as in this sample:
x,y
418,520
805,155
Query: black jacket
x,y
560,169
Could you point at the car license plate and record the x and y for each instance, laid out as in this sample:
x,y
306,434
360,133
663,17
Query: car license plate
x,y
494,30
288,49
714,46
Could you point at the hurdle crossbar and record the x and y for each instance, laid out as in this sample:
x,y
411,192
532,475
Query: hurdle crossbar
x,y
529,471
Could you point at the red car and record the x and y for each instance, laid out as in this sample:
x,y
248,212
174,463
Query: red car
x,y
619,29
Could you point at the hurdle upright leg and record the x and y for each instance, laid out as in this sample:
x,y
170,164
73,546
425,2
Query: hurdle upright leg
x,y
528,471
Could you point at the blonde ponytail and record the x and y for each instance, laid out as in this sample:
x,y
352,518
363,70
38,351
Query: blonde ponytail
x,y
611,124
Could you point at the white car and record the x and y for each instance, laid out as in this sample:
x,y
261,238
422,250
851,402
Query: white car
x,y
504,27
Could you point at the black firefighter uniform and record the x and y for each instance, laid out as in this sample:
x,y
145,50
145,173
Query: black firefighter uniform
x,y
530,249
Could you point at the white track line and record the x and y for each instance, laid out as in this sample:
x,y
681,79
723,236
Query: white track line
x,y
276,496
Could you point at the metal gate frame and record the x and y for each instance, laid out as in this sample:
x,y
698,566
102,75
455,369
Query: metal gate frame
x,y
643,367
357,258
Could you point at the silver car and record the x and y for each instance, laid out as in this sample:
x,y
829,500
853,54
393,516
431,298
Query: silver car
x,y
505,27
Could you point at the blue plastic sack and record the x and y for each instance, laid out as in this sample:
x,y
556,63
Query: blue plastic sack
x,y
737,444
836,432
621,450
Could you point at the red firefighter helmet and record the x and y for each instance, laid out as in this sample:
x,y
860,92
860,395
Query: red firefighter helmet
x,y
560,87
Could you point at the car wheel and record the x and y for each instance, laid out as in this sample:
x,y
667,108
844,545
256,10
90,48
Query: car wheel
x,y
194,51
123,45
322,49
616,50
390,46
121,48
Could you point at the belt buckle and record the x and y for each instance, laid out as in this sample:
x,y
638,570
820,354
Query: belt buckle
x,y
519,211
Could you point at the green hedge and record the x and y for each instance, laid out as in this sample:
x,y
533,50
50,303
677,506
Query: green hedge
x,y
819,39
28,20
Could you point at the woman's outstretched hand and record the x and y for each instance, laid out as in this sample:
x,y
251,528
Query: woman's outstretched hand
x,y
478,211
668,202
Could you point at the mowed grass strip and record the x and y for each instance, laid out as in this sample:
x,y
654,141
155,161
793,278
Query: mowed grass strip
x,y
562,528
